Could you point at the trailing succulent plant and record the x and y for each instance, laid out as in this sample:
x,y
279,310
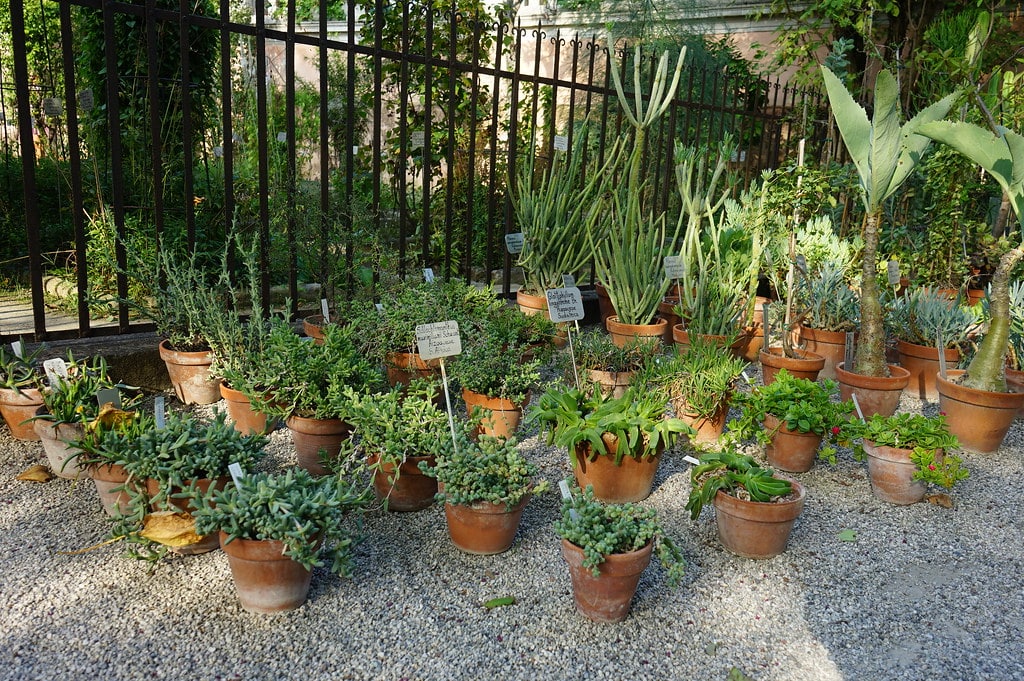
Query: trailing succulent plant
x,y
735,474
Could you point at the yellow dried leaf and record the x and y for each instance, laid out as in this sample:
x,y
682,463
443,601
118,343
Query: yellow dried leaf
x,y
170,528
36,473
940,499
110,417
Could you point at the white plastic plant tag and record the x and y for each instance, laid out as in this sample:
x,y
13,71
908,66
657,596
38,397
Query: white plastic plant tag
x,y
564,304
848,357
355,149
19,352
892,271
218,151
324,310
746,377
86,100
561,143
563,487
440,339
767,324
110,396
379,306
282,137
691,460
158,412
674,267
428,275
856,405
236,471
568,281
53,106
56,369
514,243
417,139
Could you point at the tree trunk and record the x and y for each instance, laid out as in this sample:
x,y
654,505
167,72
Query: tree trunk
x,y
988,368
870,357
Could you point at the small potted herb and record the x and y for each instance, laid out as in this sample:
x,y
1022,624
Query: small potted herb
x,y
276,527
21,382
485,486
603,363
754,509
607,547
791,417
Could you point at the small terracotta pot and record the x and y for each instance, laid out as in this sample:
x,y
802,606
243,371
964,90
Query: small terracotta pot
x,y
207,542
246,420
709,428
604,304
875,394
613,383
751,339
316,439
790,450
980,419
110,481
403,367
623,334
892,474
631,480
190,375
755,529
484,528
62,457
17,408
501,417
922,361
409,492
828,344
606,597
804,365
266,580
313,326
530,304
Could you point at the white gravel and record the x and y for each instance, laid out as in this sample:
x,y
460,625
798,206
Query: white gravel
x,y
924,592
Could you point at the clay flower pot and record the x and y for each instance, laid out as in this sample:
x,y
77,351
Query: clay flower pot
x,y
409,492
62,457
681,337
501,417
246,420
604,304
922,361
631,480
755,529
790,450
484,528
980,419
709,428
667,311
313,326
828,344
315,439
892,474
403,367
17,408
266,580
804,365
110,481
190,375
875,394
605,598
611,383
623,334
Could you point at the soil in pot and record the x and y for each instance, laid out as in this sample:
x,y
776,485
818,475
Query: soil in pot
x,y
190,375
790,450
411,491
875,394
501,417
756,529
980,419
804,365
62,457
484,528
607,597
892,474
316,440
922,361
624,334
17,408
266,580
631,480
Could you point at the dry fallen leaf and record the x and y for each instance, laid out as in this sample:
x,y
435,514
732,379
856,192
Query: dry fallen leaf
x,y
170,528
36,473
940,499
110,417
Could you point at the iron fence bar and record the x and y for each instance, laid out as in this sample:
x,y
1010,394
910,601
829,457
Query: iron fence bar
x,y
186,123
290,162
348,151
403,146
428,119
572,90
153,95
262,151
557,42
471,153
449,186
510,159
492,204
228,134
377,142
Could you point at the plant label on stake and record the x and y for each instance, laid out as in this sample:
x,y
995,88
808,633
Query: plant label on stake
x,y
53,106
563,487
892,271
942,355
848,356
19,352
561,143
856,404
56,369
416,139
324,310
86,100
767,324
437,341
236,471
568,281
109,396
566,305
514,242
428,275
674,267
158,412
379,306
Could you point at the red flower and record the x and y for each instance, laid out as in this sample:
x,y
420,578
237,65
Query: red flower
x,y
931,466
835,430
942,413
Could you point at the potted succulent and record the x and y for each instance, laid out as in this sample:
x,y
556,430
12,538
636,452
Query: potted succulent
x,y
832,309
905,453
754,509
276,527
614,443
602,363
607,547
397,431
21,382
485,486
791,417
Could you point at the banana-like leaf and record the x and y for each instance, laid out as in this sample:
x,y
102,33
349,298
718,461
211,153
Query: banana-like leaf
x,y
853,123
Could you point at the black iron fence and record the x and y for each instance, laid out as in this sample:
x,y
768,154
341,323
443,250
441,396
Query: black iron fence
x,y
380,141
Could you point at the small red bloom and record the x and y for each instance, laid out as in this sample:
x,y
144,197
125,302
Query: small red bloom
x,y
942,413
931,466
835,430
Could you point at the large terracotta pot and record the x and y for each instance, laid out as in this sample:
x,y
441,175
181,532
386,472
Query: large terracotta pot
x,y
606,597
631,480
266,580
875,394
316,439
828,344
484,528
501,417
980,419
804,365
111,481
613,383
403,367
313,326
922,361
790,450
755,529
17,408
623,334
62,457
203,486
411,490
246,420
190,375
892,474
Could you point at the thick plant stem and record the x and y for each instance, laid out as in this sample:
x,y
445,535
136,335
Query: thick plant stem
x,y
988,368
870,358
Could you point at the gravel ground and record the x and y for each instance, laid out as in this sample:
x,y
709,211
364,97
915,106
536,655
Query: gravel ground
x,y
923,592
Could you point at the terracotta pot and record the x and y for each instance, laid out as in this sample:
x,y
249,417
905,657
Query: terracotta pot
x,y
17,408
605,598
631,480
501,416
804,365
315,440
709,428
62,457
614,383
790,450
313,326
266,580
751,340
532,305
828,344
755,529
975,296
667,311
604,304
1016,377
623,334
922,361
980,419
411,490
190,375
681,337
246,420
484,528
207,542
892,474
403,367
875,394
110,481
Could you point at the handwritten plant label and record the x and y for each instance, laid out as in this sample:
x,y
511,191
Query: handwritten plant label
x,y
564,304
440,339
674,267
56,369
53,106
158,412
892,271
428,275
563,487
109,396
417,139
86,100
561,143
514,242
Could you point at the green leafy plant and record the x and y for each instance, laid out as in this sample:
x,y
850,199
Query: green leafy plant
x,y
596,351
22,373
310,516
486,470
73,399
926,316
605,529
734,474
830,302
699,381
